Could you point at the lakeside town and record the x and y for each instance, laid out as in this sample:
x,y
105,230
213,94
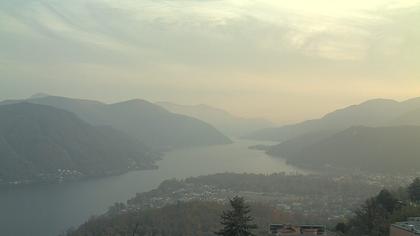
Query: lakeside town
x,y
313,198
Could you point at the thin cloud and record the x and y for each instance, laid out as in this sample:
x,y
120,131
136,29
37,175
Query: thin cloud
x,y
153,47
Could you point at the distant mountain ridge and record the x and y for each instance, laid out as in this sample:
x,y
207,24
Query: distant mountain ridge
x,y
221,119
376,112
379,135
145,121
43,143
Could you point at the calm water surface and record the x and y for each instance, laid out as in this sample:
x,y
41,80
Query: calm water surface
x,y
50,209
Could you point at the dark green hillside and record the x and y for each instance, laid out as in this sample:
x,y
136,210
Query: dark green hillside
x,y
39,142
384,149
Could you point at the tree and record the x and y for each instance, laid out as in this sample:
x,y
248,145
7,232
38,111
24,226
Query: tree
x,y
414,190
373,217
386,200
341,227
237,221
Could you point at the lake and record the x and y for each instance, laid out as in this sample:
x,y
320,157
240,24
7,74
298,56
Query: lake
x,y
44,210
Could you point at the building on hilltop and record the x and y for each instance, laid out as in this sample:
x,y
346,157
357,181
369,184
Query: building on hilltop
x,y
297,230
411,227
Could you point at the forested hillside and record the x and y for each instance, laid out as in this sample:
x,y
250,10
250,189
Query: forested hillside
x,y
42,143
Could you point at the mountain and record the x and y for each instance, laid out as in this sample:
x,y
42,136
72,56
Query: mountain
x,y
377,112
42,143
40,95
409,118
145,121
382,149
222,120
294,146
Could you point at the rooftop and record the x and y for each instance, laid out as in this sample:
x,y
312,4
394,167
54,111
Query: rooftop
x,y
285,229
412,225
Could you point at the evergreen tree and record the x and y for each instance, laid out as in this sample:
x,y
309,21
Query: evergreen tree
x,y
414,190
237,221
386,200
373,217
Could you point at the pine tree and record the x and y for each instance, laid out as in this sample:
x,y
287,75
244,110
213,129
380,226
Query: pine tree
x,y
386,200
237,221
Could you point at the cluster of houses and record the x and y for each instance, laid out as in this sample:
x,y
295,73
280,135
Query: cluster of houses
x,y
411,227
297,230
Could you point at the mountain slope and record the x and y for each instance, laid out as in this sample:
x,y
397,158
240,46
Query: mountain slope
x,y
222,120
387,149
38,142
147,122
408,118
377,112
158,127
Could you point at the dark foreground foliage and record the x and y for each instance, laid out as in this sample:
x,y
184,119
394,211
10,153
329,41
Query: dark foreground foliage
x,y
376,215
183,219
237,220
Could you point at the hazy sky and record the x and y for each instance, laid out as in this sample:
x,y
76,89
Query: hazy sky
x,y
285,60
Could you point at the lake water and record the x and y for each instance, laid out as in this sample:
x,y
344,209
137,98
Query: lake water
x,y
51,209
